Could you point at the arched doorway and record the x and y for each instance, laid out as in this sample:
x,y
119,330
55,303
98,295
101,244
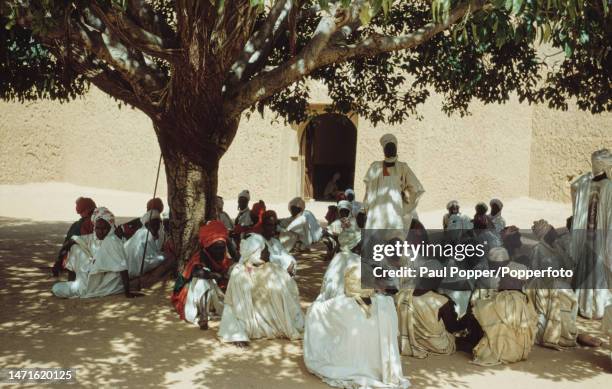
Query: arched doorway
x,y
328,145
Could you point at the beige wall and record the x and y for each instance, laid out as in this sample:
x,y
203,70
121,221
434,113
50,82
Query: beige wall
x,y
507,151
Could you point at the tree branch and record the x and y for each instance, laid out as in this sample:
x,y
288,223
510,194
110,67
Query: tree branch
x,y
267,84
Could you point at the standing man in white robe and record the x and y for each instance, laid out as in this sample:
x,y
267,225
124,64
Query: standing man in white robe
x,y
98,260
591,244
392,191
149,237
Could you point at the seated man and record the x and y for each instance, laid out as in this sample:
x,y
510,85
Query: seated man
x,y
350,341
222,215
496,218
300,230
333,280
255,215
483,228
453,209
84,226
427,319
243,218
98,261
126,230
345,221
277,252
150,238
199,290
355,205
331,188
502,327
262,300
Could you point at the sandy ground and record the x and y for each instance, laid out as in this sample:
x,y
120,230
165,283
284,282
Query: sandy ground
x,y
117,342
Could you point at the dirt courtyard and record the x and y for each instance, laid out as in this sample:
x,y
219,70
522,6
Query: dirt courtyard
x,y
116,342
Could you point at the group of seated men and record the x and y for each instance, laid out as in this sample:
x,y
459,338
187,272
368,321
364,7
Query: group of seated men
x,y
244,274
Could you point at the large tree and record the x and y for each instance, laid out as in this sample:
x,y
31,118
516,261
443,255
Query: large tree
x,y
195,66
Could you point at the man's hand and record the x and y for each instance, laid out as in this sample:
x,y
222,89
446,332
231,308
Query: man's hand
x,y
291,269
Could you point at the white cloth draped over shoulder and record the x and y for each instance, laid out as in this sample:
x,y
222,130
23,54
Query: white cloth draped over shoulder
x,y
279,255
349,348
597,263
333,280
97,264
303,228
261,301
385,205
135,248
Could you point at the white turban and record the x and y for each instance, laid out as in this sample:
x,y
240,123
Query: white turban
x,y
496,201
104,214
452,203
344,204
246,194
601,161
498,254
297,202
349,238
388,138
251,248
150,215
349,191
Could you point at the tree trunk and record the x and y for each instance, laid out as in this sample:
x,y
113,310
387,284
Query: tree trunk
x,y
192,167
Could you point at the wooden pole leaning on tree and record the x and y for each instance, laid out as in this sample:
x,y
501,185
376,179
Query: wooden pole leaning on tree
x,y
144,253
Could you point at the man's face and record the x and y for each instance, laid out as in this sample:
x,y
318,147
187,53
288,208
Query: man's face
x,y
154,226
254,217
102,228
453,210
344,212
495,209
217,250
390,150
361,220
350,197
243,202
295,210
269,227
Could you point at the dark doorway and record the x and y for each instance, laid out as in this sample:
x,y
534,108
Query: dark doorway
x,y
329,144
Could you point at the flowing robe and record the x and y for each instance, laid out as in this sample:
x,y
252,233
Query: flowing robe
x,y
135,248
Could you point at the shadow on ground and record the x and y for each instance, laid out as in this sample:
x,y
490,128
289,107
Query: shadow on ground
x,y
140,342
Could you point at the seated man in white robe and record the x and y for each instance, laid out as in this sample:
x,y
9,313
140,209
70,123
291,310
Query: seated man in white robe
x,y
499,223
275,249
333,279
149,238
356,206
345,221
262,300
392,193
300,230
350,341
98,261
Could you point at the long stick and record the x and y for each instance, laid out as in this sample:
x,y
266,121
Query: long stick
x,y
144,253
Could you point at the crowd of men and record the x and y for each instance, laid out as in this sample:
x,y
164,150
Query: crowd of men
x,y
243,273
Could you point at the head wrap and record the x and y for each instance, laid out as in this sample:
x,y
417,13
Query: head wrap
x,y
267,214
84,205
212,232
349,238
259,208
481,205
251,248
601,161
497,202
452,203
104,214
388,138
344,204
340,196
348,192
540,228
498,254
246,194
150,215
155,203
297,202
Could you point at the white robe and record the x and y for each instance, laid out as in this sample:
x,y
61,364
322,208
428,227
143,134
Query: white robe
x,y
498,222
135,247
303,228
203,293
97,264
347,349
386,208
279,255
333,280
592,301
261,302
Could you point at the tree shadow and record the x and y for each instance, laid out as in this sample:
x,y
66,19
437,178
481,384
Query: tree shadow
x,y
119,342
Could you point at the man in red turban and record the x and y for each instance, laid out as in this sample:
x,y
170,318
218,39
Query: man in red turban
x,y
200,289
84,206
155,203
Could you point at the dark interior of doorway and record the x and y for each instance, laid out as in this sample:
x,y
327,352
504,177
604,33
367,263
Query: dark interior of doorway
x,y
329,144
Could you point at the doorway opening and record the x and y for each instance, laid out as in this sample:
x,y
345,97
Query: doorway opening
x,y
328,145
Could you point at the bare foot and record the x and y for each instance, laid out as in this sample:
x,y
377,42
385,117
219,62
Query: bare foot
x,y
588,340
